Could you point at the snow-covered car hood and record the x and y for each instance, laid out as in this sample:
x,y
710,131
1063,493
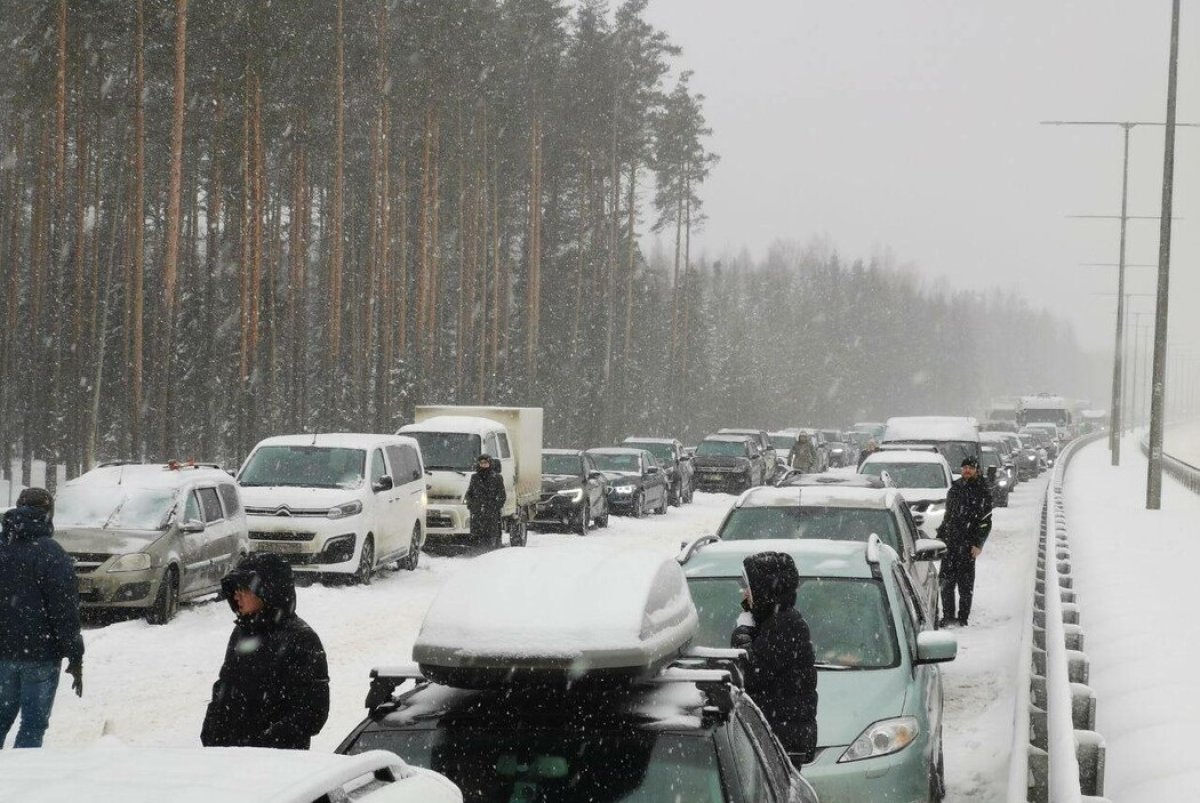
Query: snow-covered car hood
x,y
623,477
277,496
559,482
849,700
106,542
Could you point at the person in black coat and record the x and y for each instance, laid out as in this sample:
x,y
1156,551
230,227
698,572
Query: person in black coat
x,y
781,674
39,618
485,500
965,529
273,689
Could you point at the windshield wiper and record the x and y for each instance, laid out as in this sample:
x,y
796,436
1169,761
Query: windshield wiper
x,y
835,667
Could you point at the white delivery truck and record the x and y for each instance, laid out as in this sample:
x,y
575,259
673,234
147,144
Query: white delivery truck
x,y
451,439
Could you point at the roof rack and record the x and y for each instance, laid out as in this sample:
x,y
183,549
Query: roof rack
x,y
874,545
386,679
689,548
176,465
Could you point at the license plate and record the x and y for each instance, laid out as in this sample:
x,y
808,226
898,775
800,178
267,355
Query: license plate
x,y
280,548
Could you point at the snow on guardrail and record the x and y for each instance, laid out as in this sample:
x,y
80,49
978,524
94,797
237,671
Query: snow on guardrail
x,y
1181,470
1057,755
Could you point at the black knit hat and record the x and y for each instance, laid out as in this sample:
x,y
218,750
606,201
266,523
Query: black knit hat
x,y
36,497
969,461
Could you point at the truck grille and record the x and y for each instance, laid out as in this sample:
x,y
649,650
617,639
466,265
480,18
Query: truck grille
x,y
88,561
275,511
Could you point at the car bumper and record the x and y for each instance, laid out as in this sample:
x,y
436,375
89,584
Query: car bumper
x,y
621,503
446,521
309,544
557,510
899,778
724,481
119,589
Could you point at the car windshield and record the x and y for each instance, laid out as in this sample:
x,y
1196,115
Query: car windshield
x,y
954,451
304,467
113,507
783,442
990,459
831,434
848,618
665,452
721,449
564,464
558,765
448,451
809,522
627,463
909,475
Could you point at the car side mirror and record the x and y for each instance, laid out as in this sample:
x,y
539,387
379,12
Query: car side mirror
x,y
382,484
929,549
936,647
192,526
918,519
595,475
652,470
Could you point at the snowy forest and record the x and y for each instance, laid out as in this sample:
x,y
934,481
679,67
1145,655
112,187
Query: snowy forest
x,y
237,218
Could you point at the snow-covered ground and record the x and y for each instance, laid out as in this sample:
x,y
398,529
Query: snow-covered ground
x,y
1183,442
149,685
1137,598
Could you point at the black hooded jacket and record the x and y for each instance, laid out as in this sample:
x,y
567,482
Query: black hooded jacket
x,y
968,520
273,690
39,595
486,495
781,675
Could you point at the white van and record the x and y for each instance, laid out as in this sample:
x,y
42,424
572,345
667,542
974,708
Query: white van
x,y
337,503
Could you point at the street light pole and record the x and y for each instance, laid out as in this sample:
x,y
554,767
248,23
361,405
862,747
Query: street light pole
x,y
1158,382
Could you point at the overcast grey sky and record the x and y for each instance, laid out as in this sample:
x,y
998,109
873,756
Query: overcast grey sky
x,y
912,125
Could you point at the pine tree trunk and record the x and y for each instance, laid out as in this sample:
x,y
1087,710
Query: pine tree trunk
x,y
171,257
139,234
339,178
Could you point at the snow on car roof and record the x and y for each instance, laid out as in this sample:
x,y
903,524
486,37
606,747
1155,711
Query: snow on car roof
x,y
728,437
931,428
615,450
200,775
459,424
334,440
819,496
667,441
576,608
156,475
570,452
814,557
905,456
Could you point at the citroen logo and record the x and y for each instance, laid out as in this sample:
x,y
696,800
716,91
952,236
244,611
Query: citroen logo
x,y
283,511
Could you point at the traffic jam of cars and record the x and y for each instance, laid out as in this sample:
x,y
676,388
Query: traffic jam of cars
x,y
536,671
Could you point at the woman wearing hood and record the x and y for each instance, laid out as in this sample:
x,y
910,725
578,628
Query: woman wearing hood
x,y
781,675
273,690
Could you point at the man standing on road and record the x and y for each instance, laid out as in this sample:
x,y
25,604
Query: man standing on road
x,y
485,501
803,456
781,674
39,618
273,690
965,530
869,449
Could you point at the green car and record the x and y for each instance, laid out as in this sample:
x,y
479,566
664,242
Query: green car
x,y
879,716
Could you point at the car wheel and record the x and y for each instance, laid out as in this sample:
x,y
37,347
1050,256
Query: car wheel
x,y
638,509
366,563
585,516
519,534
937,779
410,561
602,521
166,604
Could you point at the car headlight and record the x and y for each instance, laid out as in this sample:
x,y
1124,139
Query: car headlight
x,y
348,509
1003,483
133,562
572,496
882,739
836,451
625,489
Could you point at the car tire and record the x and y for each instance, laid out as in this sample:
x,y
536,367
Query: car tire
x,y
410,561
585,516
518,535
366,563
166,602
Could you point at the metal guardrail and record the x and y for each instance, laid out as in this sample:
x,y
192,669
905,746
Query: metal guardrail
x,y
1057,755
1186,473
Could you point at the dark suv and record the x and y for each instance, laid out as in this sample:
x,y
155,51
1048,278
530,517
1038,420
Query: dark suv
x,y
670,455
730,463
686,734
765,445
574,491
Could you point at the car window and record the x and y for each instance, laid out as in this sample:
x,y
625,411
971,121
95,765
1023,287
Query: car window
x,y
233,503
191,511
502,440
774,759
755,785
406,465
210,503
378,469
811,521
911,612
908,530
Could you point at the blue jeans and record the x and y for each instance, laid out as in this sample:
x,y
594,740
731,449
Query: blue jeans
x,y
27,687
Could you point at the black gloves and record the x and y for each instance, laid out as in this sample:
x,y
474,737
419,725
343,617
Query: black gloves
x,y
75,670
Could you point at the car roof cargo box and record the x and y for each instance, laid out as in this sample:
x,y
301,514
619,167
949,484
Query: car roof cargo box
x,y
931,428
557,615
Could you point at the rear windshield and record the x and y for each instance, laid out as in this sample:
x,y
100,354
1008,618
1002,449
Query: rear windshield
x,y
833,523
556,765
954,451
448,451
909,475
113,507
304,467
722,448
848,618
785,442
628,463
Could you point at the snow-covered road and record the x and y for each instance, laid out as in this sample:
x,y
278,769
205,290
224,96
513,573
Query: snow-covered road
x,y
149,685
